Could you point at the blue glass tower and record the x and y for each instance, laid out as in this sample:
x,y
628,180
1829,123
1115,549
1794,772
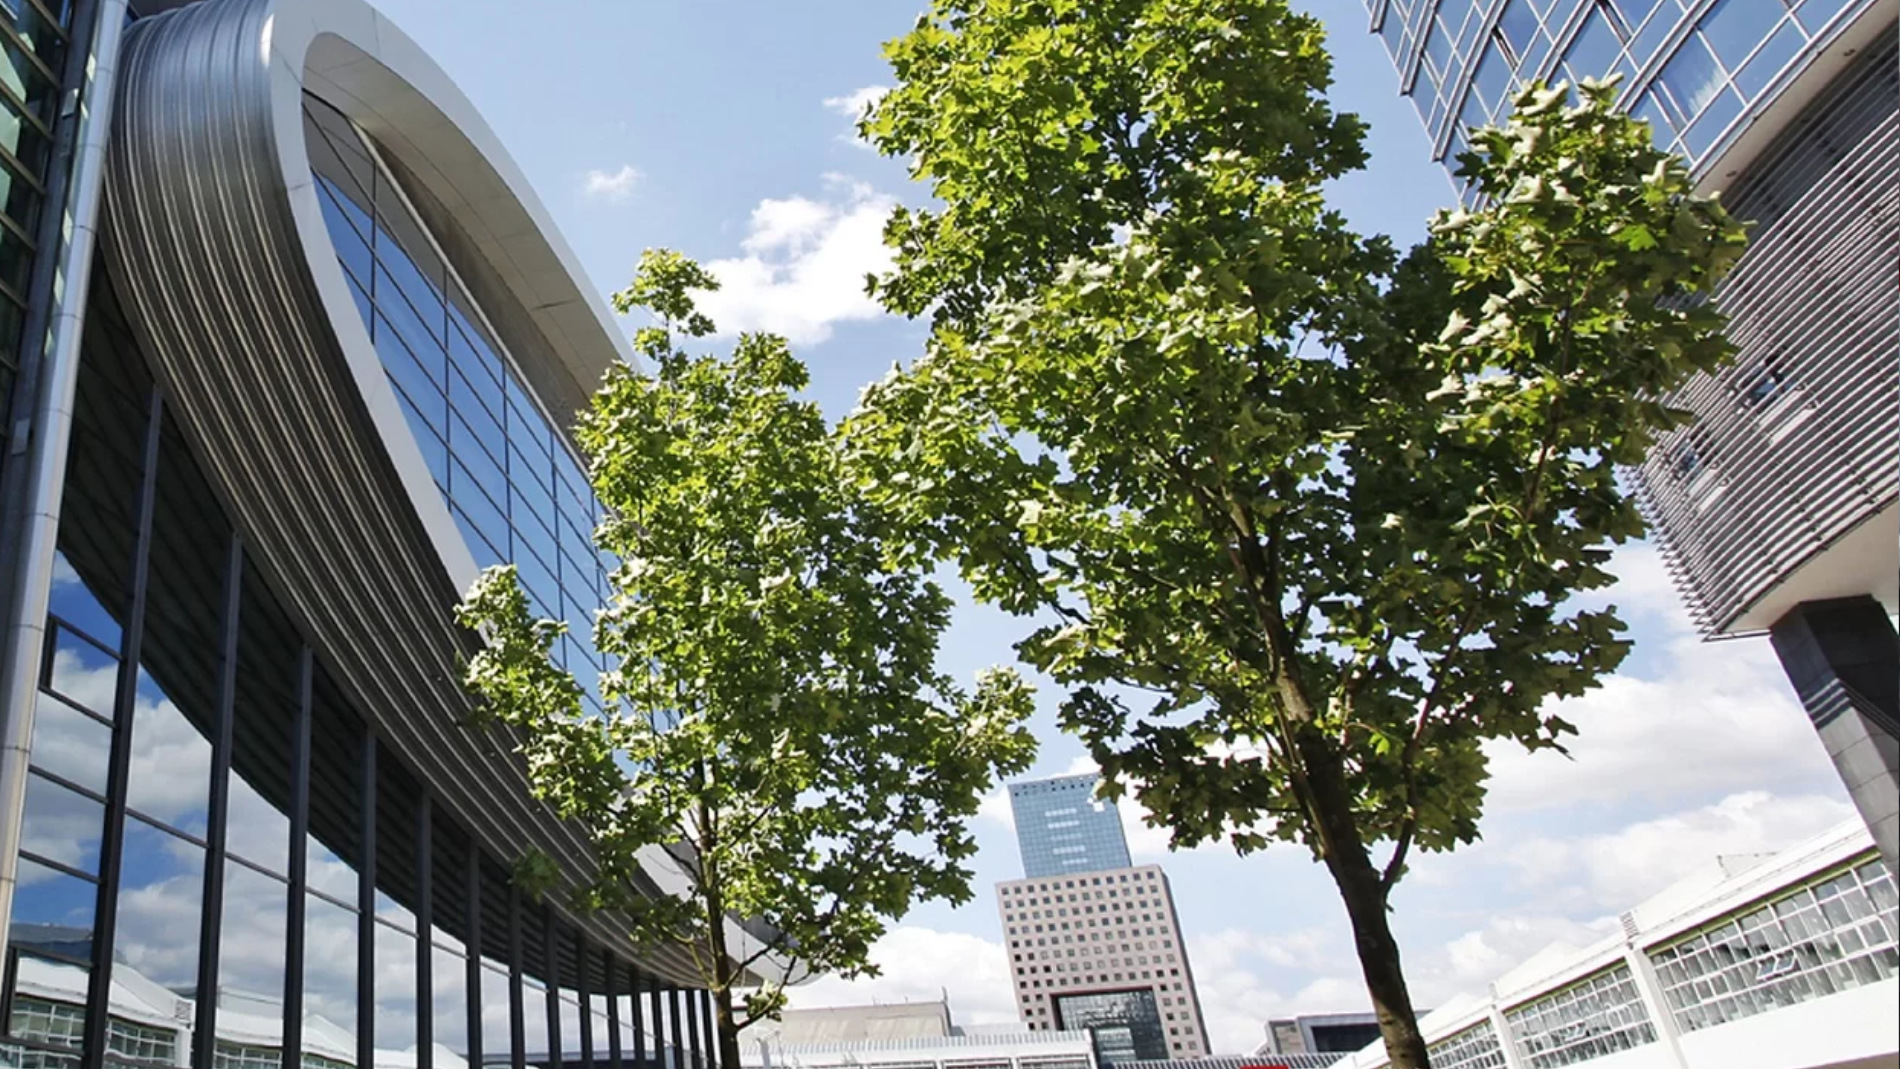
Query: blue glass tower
x,y
1775,510
1062,830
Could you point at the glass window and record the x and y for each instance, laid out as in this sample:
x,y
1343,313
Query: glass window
x,y
1734,27
251,948
1692,79
329,980
1774,56
1594,52
61,825
1518,24
1716,117
170,774
161,892
1493,79
82,671
1826,935
1816,14
395,1018
70,743
1593,1017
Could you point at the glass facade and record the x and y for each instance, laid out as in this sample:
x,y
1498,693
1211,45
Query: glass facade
x,y
1693,68
511,479
1473,1048
1062,829
222,865
1833,933
33,46
1123,1026
1593,1017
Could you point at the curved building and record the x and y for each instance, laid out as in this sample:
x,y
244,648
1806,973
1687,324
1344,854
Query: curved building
x,y
1775,510
309,355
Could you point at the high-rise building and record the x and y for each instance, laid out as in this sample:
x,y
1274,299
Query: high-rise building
x,y
1776,509
1062,827
1094,942
297,350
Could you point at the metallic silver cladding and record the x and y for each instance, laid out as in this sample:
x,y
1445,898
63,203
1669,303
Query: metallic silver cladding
x,y
1782,479
202,241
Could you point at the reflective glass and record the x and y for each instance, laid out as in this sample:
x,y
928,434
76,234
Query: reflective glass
x,y
251,946
1774,56
1734,27
1692,79
329,979
495,1021
449,999
69,743
161,893
1594,52
170,774
395,1018
82,671
75,603
61,825
52,931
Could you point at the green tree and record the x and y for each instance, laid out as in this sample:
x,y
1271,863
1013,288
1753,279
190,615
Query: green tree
x,y
1301,522
776,724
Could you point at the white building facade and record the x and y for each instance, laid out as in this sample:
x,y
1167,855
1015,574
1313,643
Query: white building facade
x,y
1780,962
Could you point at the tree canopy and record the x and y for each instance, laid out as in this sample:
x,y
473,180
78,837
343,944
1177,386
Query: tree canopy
x,y
776,724
1304,522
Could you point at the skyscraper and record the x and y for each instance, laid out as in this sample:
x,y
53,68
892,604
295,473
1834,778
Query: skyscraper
x,y
1777,510
316,370
1094,941
1061,827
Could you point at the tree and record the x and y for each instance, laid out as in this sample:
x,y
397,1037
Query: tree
x,y
1302,523
776,722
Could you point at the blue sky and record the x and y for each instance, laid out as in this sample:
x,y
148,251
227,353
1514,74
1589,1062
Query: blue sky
x,y
722,129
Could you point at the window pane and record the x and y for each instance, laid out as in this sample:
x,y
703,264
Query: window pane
x,y
329,973
170,774
61,825
160,899
251,948
70,744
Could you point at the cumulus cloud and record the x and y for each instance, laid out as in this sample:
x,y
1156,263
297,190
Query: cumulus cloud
x,y
922,965
1245,976
1699,718
611,186
804,264
1616,870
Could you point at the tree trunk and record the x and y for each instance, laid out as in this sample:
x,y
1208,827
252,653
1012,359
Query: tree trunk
x,y
1361,885
727,1027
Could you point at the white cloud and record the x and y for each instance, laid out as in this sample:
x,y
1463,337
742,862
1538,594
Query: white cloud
x,y
804,265
1245,976
1704,717
611,186
853,106
922,965
1617,870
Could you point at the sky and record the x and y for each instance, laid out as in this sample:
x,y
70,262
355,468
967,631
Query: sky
x,y
724,130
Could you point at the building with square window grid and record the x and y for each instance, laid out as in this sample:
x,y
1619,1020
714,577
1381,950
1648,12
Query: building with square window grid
x,y
1777,509
1102,952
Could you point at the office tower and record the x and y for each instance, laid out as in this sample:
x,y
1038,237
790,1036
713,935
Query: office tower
x,y
316,369
1775,511
1094,941
1061,827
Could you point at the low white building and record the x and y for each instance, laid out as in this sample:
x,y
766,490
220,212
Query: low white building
x,y
1013,1050
1782,961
